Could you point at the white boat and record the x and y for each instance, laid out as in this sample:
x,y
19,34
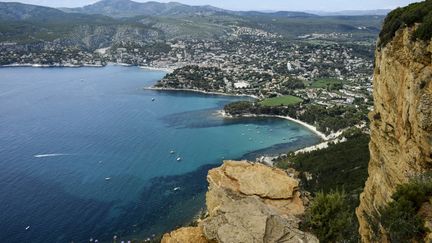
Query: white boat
x,y
108,178
176,189
27,228
179,159
172,152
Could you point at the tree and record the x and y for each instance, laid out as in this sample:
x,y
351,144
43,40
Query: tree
x,y
329,217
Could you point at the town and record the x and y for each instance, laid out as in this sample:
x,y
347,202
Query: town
x,y
317,69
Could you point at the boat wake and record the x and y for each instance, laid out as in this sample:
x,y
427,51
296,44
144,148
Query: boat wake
x,y
49,155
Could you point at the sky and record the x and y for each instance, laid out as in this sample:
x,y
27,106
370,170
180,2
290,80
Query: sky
x,y
293,5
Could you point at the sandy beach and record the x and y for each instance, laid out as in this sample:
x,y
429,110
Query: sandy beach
x,y
308,126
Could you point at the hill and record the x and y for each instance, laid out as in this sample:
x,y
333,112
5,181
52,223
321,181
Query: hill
x,y
128,8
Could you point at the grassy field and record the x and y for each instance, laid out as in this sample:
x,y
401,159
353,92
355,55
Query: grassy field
x,y
325,82
282,100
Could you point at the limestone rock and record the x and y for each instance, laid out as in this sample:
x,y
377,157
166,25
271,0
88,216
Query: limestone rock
x,y
185,235
250,203
236,179
401,124
253,203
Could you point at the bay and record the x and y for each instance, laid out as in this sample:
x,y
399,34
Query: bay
x,y
86,152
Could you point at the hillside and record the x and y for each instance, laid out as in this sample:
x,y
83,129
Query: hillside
x,y
127,8
93,26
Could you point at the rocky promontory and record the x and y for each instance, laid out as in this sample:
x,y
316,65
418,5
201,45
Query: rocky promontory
x,y
248,202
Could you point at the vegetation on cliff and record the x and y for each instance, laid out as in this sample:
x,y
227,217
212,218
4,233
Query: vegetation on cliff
x,y
335,176
400,218
408,16
328,217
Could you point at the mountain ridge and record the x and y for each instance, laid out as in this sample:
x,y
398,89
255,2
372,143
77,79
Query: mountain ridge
x,y
129,8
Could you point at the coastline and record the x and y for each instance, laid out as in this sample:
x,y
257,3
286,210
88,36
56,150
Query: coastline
x,y
50,66
304,124
201,92
37,65
167,70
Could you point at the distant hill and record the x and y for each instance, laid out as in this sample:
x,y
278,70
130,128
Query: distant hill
x,y
10,11
276,14
128,8
380,12
104,23
19,11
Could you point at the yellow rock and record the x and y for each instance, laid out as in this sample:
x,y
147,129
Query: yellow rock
x,y
401,124
249,203
185,235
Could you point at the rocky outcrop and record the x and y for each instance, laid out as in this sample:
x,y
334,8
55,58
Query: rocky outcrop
x,y
401,124
251,203
185,235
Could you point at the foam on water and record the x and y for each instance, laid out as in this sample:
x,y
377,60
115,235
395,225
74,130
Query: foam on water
x,y
49,155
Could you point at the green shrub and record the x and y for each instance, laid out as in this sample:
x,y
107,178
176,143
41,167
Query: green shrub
x,y
408,16
400,218
329,217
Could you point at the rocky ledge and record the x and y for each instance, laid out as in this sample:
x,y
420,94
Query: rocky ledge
x,y
248,202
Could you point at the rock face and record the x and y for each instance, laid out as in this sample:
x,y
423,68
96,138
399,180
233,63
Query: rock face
x,y
184,235
401,124
251,203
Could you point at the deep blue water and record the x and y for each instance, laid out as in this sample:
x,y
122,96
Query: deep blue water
x,y
63,131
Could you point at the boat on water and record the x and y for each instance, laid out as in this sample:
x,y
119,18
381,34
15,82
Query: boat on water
x,y
176,189
172,152
153,99
179,159
108,178
27,228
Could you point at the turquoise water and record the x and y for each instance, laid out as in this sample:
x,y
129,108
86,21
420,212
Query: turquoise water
x,y
85,153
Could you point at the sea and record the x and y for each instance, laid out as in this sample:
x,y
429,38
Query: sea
x,y
89,154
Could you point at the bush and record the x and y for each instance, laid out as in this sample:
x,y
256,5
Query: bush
x,y
400,218
408,16
329,217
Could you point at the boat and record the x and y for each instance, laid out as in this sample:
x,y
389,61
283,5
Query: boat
x,y
153,99
27,228
108,178
176,189
179,159
172,152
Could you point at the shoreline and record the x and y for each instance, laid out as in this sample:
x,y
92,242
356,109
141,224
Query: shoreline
x,y
201,92
304,124
33,65
50,66
167,70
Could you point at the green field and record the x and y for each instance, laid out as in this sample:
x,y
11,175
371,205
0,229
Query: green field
x,y
282,100
325,82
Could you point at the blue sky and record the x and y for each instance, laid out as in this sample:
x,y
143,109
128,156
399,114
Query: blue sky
x,y
322,5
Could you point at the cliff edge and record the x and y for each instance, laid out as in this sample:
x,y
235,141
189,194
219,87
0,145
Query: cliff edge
x,y
250,203
401,123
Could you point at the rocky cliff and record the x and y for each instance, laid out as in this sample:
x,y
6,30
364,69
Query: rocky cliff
x,y
248,203
401,124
